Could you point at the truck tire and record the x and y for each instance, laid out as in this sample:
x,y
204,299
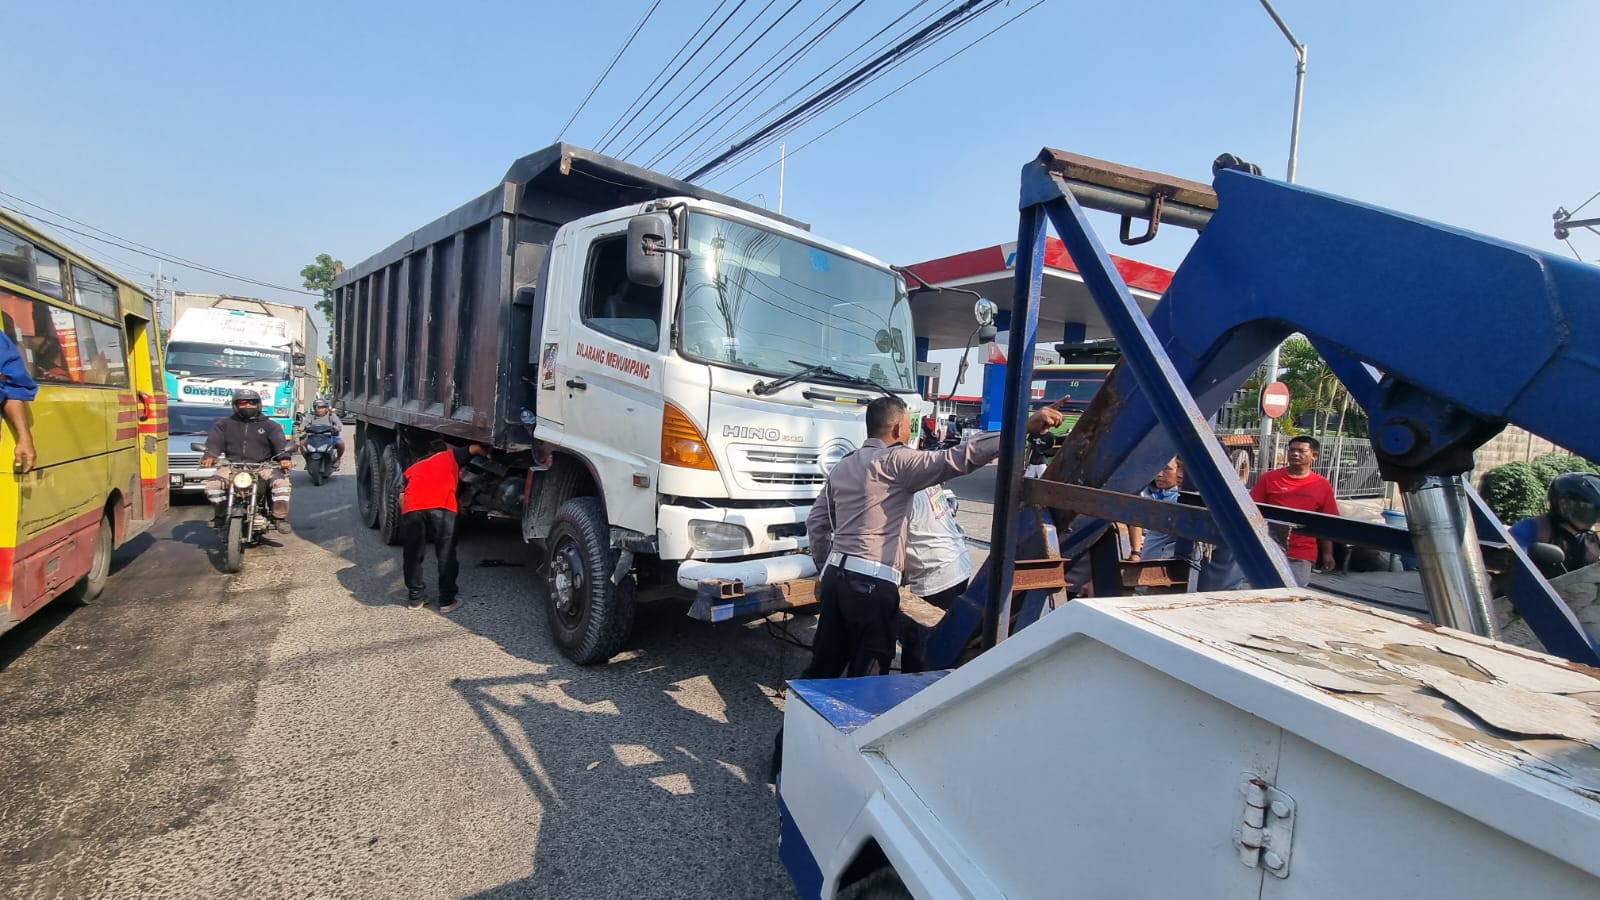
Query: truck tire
x,y
590,617
93,584
368,490
389,498
881,884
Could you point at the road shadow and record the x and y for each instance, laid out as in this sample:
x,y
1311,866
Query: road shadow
x,y
647,777
18,640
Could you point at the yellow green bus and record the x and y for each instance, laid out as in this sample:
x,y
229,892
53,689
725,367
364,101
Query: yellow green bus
x,y
90,339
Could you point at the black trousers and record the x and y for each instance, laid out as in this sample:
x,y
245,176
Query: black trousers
x,y
855,628
419,529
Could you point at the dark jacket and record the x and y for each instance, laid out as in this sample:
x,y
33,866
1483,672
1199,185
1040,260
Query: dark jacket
x,y
252,441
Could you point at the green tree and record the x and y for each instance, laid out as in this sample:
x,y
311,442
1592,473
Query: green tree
x,y
1517,490
319,276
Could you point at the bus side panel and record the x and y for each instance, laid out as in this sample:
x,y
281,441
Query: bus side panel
x,y
53,561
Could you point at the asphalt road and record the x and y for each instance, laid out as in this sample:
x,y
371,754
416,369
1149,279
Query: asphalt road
x,y
295,730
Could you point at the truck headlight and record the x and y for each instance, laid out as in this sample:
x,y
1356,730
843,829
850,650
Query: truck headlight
x,y
243,480
705,534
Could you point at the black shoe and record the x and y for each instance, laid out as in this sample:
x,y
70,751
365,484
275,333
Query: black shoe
x,y
281,526
417,601
449,605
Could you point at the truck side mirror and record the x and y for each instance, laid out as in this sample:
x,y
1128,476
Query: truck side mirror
x,y
298,359
649,242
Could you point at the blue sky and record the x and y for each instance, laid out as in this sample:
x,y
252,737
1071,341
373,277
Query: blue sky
x,y
253,136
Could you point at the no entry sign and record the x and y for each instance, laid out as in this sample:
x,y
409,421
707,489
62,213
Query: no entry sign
x,y
1274,399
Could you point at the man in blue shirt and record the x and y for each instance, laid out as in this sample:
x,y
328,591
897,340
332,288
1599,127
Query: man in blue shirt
x,y
1154,544
16,388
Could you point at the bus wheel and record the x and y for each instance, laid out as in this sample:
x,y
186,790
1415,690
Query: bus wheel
x,y
368,488
93,584
590,617
389,498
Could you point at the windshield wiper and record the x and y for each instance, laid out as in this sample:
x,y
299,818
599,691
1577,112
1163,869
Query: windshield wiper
x,y
763,388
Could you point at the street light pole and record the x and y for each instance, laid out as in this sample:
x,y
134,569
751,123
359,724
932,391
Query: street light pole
x,y
1264,457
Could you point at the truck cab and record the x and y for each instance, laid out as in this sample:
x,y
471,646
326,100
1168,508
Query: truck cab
x,y
672,392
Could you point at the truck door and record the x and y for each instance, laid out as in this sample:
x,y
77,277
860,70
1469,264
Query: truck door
x,y
610,378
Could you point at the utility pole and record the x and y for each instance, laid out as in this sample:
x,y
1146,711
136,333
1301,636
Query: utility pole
x,y
1264,457
783,159
161,294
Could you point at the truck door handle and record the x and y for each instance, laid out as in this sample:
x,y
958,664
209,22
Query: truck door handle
x,y
577,384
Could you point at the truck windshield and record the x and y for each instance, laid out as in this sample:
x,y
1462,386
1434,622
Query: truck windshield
x,y
199,359
757,300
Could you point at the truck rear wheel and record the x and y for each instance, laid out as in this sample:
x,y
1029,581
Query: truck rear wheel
x,y
590,617
389,498
368,490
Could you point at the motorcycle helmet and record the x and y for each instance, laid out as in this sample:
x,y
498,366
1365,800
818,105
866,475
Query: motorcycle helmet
x,y
246,404
1575,498
321,405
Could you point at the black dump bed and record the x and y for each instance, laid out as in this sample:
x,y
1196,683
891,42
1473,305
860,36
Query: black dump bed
x,y
434,331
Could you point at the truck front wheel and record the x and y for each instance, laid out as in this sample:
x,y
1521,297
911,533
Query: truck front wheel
x,y
590,617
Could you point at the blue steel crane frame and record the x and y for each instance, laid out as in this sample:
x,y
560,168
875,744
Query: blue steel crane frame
x,y
1273,260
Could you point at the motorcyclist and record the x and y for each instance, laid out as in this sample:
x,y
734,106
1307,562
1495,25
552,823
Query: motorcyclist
x,y
323,416
1570,522
248,437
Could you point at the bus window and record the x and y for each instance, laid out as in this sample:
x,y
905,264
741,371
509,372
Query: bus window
x,y
93,293
63,347
16,258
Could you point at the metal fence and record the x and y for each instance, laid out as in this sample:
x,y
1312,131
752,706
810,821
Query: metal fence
x,y
1348,462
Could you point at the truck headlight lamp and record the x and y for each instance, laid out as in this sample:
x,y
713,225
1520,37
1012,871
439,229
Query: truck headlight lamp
x,y
705,534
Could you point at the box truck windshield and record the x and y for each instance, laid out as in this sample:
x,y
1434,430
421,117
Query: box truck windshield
x,y
763,302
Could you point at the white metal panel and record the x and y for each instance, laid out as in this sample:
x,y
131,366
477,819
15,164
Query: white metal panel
x,y
1360,835
1089,774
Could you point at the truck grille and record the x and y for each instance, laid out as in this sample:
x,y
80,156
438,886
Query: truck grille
x,y
764,466
186,460
788,478
783,457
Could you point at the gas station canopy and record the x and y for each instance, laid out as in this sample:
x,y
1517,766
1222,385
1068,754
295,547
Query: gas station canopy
x,y
1066,313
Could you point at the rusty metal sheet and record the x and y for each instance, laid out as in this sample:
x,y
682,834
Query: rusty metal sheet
x,y
1074,166
1038,574
1536,713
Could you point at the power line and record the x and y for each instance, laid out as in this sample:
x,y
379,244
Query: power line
x,y
624,49
852,89
897,90
620,127
141,249
687,164
749,92
668,112
838,86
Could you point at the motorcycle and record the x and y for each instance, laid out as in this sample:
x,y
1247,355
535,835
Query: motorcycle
x,y
317,445
249,501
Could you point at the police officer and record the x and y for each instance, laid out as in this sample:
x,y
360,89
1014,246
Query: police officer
x,y
857,533
248,437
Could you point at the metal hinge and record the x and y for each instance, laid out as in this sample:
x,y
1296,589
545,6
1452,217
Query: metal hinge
x,y
1266,835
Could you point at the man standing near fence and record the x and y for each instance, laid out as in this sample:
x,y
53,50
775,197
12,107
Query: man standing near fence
x,y
1297,487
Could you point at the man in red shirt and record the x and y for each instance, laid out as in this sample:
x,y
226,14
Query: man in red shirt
x,y
1297,487
428,516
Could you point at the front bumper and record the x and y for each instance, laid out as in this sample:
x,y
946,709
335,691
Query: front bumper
x,y
772,529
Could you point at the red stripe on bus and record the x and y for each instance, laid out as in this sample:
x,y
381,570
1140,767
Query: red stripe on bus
x,y
127,434
58,532
7,556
